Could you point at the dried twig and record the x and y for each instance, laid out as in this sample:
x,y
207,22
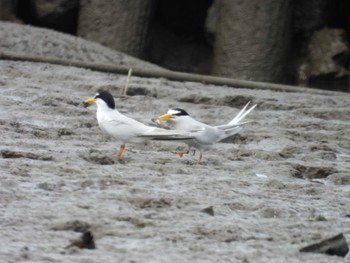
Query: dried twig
x,y
126,87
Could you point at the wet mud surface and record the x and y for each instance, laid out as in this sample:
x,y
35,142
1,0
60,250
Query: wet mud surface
x,y
281,184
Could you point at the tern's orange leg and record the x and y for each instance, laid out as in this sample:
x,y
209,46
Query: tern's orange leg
x,y
199,159
121,150
182,153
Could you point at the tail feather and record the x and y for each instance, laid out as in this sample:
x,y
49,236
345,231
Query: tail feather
x,y
236,120
242,114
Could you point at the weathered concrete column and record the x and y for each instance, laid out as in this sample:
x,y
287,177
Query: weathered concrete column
x,y
252,39
118,24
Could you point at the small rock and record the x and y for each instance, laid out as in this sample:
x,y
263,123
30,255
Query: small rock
x,y
85,241
333,246
209,210
320,218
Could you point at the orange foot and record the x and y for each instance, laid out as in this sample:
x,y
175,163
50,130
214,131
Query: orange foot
x,y
121,150
182,153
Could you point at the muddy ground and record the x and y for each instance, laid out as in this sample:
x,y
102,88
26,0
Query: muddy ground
x,y
281,184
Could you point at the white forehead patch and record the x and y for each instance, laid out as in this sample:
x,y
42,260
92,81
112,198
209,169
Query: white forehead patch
x,y
173,112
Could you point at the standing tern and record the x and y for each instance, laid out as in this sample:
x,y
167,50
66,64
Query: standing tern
x,y
207,136
126,129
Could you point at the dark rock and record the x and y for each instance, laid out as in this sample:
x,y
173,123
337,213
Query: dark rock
x,y
208,210
333,246
85,241
320,218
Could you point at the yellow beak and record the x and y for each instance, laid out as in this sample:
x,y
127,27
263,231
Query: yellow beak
x,y
90,100
165,117
87,102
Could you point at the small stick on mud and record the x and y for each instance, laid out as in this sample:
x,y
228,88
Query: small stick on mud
x,y
126,87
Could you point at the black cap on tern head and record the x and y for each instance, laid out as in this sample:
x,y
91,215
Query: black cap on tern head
x,y
106,97
178,112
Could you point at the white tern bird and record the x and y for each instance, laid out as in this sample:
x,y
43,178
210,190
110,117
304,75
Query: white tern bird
x,y
207,136
126,129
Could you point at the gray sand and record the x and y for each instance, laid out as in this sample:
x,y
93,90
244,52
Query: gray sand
x,y
281,184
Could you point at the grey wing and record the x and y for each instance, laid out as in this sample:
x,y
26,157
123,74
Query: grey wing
x,y
154,133
123,128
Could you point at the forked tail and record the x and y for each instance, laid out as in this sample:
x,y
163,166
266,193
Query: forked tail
x,y
242,114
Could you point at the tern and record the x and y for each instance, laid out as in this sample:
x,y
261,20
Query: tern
x,y
125,129
178,119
